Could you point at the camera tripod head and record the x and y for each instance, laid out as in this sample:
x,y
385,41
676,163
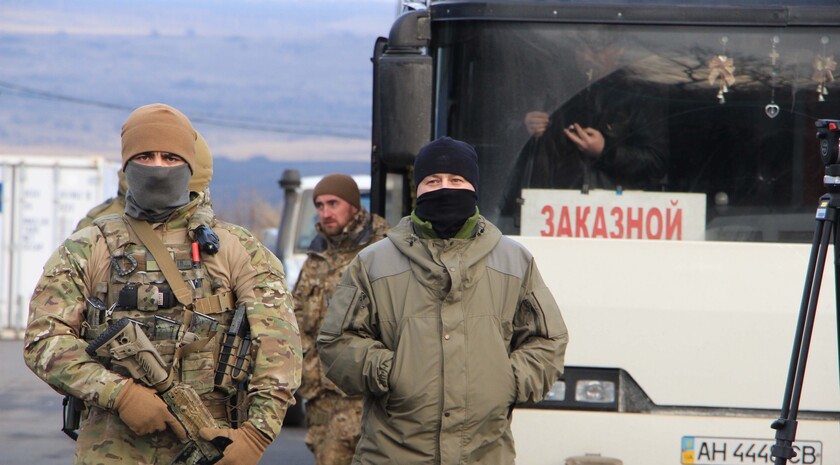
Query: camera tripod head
x,y
828,135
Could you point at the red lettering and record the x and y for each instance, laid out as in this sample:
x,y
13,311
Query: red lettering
x,y
549,221
673,225
635,223
618,214
581,230
564,226
600,227
654,214
654,223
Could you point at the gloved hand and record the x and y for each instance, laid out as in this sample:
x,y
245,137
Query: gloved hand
x,y
144,412
247,447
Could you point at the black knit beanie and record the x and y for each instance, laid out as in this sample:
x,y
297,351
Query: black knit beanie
x,y
447,155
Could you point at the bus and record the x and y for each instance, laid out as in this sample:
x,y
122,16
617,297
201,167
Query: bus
x,y
659,160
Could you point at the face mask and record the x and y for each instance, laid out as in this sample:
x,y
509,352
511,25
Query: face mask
x,y
446,209
154,192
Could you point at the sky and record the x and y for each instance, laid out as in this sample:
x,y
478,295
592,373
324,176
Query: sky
x,y
253,18
282,79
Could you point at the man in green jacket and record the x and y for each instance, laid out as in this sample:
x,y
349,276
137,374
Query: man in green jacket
x,y
443,328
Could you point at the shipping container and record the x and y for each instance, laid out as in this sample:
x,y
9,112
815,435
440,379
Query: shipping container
x,y
42,198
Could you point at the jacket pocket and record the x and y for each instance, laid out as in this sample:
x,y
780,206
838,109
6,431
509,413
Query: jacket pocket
x,y
547,314
393,373
343,300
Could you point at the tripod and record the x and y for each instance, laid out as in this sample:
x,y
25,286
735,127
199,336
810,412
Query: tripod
x,y
826,216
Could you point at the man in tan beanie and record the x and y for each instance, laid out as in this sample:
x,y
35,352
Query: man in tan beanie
x,y
344,228
144,268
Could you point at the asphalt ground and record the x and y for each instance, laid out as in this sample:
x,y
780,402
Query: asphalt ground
x,y
31,416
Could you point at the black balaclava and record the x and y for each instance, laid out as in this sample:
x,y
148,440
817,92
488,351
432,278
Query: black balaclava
x,y
154,192
447,209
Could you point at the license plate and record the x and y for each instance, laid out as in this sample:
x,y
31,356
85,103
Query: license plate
x,y
699,450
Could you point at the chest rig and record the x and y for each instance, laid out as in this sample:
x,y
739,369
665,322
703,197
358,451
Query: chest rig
x,y
187,330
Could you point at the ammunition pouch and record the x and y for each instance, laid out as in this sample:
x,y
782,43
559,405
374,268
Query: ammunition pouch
x,y
196,362
229,407
235,354
146,297
233,366
237,407
73,407
96,316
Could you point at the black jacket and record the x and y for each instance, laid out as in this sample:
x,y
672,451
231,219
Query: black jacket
x,y
635,134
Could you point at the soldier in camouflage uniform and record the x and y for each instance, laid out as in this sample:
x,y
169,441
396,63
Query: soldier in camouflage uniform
x,y
344,228
106,266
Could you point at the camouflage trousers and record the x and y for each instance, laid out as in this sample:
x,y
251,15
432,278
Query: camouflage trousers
x,y
105,439
333,427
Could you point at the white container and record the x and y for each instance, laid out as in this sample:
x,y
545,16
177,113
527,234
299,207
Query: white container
x,y
41,201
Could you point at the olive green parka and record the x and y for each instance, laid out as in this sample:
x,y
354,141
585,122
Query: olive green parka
x,y
442,337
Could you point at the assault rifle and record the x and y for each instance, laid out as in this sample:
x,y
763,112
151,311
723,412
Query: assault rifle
x,y
128,346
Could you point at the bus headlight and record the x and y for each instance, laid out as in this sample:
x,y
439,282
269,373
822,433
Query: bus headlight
x,y
595,390
600,389
557,391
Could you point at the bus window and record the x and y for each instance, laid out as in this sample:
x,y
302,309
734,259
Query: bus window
x,y
623,122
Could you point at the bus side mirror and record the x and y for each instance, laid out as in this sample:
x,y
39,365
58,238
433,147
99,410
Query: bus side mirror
x,y
403,91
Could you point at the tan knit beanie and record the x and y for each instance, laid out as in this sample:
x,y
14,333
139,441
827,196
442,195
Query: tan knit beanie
x,y
341,186
203,169
158,128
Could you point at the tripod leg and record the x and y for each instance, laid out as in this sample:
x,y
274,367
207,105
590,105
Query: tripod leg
x,y
785,426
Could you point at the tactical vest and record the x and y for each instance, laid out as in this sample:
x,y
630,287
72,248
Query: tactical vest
x,y
189,341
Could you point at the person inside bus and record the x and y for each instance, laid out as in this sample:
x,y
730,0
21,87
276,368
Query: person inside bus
x,y
609,135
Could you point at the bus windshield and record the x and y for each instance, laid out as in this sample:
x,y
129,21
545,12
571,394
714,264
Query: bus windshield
x,y
629,131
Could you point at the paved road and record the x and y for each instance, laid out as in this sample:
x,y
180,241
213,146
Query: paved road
x,y
30,422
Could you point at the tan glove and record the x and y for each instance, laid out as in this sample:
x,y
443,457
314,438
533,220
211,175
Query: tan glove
x,y
144,412
247,447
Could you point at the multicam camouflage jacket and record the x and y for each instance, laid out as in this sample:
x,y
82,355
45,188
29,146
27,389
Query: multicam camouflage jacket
x,y
81,268
327,260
